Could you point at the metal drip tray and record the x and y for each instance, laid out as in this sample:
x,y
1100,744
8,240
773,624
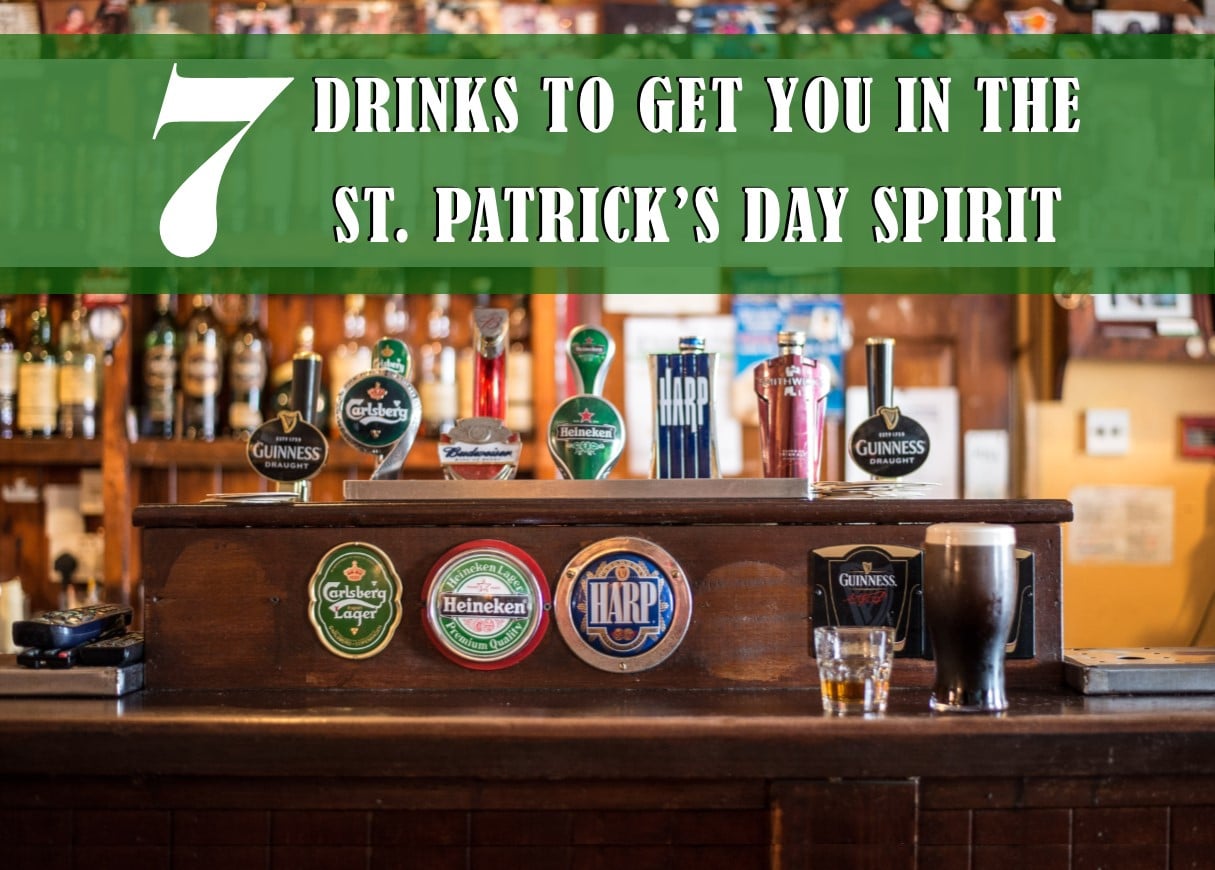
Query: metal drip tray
x,y
1140,670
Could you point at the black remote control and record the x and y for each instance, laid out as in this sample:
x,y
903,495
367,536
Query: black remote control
x,y
57,659
122,649
64,629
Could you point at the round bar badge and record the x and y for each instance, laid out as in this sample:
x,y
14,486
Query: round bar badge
x,y
354,600
623,604
486,604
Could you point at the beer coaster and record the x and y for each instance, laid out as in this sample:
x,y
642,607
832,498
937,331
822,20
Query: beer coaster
x,y
486,605
354,600
623,605
250,497
870,489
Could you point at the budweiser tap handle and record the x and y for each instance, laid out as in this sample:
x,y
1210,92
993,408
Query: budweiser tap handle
x,y
305,384
879,367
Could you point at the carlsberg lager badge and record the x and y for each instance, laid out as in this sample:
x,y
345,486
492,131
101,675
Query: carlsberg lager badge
x,y
354,600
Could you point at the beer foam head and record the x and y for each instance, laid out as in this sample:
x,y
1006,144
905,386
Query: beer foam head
x,y
970,535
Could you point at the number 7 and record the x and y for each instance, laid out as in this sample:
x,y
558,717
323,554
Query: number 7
x,y
188,223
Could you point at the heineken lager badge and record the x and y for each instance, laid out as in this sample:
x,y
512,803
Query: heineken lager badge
x,y
379,411
623,605
355,600
479,448
287,448
586,432
684,441
486,605
872,586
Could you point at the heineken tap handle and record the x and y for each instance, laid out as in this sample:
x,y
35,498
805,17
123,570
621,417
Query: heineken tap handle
x,y
590,351
305,384
879,367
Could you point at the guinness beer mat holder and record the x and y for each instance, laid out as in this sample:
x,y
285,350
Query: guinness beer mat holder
x,y
623,605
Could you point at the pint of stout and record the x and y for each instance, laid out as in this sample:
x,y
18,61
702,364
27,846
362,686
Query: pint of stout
x,y
970,595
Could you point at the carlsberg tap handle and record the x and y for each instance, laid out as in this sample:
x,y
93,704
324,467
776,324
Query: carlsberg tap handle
x,y
590,351
879,367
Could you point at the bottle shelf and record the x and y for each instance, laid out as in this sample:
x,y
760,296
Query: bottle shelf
x,y
20,451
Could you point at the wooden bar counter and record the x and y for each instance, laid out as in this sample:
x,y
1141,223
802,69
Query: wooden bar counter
x,y
255,747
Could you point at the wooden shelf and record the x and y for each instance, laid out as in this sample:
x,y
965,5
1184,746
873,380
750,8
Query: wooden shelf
x,y
229,455
50,451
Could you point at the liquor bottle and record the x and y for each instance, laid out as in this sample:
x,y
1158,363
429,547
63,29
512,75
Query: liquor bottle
x,y
437,369
247,369
352,356
77,376
520,414
202,372
9,358
792,394
38,376
281,379
160,348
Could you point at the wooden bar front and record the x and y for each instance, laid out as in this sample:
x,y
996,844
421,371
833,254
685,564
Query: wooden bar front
x,y
255,747
226,599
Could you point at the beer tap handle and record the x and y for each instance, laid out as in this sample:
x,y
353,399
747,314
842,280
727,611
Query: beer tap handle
x,y
305,384
879,367
590,351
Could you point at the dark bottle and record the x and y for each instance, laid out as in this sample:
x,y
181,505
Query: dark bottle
x,y
202,372
247,370
78,385
38,377
437,369
160,349
520,407
10,357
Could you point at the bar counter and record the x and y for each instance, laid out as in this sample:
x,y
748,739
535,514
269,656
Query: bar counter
x,y
704,778
254,746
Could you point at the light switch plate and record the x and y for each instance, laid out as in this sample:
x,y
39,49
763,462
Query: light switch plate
x,y
1107,431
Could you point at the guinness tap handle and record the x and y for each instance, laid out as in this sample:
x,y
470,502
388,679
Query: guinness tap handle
x,y
305,384
879,367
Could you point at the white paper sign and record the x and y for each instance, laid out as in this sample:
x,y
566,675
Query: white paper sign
x,y
1131,524
934,408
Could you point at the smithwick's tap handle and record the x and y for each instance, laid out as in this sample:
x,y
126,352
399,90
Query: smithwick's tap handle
x,y
590,350
305,384
879,367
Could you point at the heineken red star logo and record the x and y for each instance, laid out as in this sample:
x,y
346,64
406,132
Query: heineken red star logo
x,y
587,416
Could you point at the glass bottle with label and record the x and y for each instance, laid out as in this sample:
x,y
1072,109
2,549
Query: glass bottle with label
x,y
160,348
202,372
77,376
352,356
437,368
519,403
38,376
247,369
10,356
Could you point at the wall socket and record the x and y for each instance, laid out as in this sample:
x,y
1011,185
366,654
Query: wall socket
x,y
1107,431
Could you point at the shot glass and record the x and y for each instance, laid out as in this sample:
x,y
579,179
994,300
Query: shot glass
x,y
854,668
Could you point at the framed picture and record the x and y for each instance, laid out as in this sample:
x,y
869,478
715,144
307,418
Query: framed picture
x,y
1141,295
